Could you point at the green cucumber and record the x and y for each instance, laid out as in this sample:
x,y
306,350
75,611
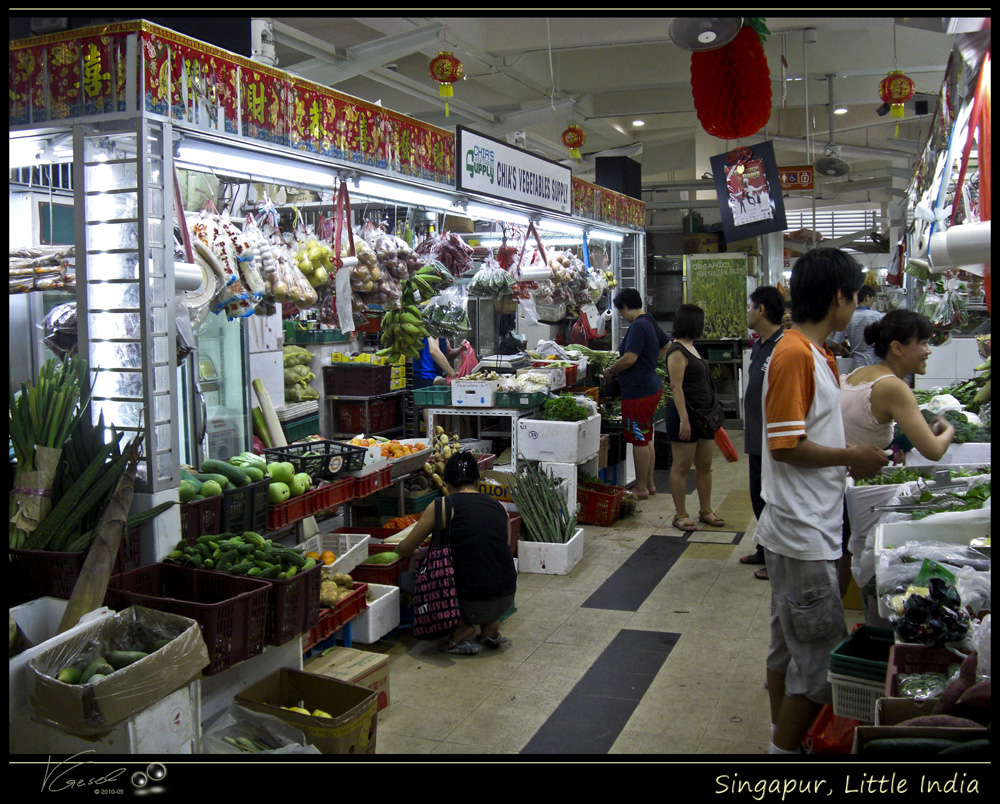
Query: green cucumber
x,y
190,478
99,666
222,480
237,477
123,658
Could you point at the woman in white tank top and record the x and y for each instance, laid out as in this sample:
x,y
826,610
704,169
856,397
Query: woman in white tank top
x,y
873,398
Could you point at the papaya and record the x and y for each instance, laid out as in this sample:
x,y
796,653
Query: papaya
x,y
382,558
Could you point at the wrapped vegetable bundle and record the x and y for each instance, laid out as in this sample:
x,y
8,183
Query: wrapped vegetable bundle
x,y
491,281
447,313
448,249
944,305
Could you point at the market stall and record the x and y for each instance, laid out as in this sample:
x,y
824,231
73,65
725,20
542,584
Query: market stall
x,y
252,292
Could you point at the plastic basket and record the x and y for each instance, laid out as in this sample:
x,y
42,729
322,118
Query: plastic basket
x,y
258,497
433,396
906,660
485,462
293,605
46,573
356,379
855,697
200,517
231,609
330,458
864,654
336,493
369,484
350,548
283,514
386,574
237,512
354,418
333,619
520,399
300,428
599,507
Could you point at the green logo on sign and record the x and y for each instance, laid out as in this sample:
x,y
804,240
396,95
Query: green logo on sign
x,y
480,160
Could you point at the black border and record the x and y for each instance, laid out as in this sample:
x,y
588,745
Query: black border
x,y
765,152
460,164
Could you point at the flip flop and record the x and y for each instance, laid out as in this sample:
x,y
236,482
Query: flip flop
x,y
761,574
717,523
753,558
496,642
462,648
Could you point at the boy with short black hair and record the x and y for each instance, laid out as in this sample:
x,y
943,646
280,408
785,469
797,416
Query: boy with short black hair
x,y
803,484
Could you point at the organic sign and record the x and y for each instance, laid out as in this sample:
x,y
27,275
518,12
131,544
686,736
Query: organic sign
x,y
717,283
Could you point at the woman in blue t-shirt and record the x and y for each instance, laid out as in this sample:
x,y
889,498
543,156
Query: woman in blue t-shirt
x,y
643,347
435,360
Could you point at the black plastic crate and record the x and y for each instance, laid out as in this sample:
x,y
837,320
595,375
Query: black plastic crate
x,y
357,379
330,458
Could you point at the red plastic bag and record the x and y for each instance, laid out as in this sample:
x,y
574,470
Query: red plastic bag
x,y
469,360
830,733
726,446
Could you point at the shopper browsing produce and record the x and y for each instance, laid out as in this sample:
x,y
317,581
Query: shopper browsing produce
x,y
764,315
803,487
485,577
860,352
690,441
642,348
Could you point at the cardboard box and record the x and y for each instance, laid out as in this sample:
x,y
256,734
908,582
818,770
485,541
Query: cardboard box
x,y
602,454
543,558
702,243
172,725
749,245
361,667
381,616
497,485
559,442
891,711
95,708
353,710
474,393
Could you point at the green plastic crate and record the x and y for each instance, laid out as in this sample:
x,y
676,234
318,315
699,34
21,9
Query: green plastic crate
x,y
434,396
514,399
864,654
300,428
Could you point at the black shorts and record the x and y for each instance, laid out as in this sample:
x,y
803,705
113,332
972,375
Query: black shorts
x,y
673,425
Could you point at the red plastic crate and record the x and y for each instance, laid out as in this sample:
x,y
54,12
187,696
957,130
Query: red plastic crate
x,y
200,517
485,462
375,533
385,574
369,484
47,573
332,620
336,493
293,606
905,660
381,416
599,507
231,609
278,516
513,531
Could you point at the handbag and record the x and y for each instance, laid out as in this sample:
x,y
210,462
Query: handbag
x,y
435,597
712,418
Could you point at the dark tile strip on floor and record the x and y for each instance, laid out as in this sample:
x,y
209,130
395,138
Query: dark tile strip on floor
x,y
593,714
639,575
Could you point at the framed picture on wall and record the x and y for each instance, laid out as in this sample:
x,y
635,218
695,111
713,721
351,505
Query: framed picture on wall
x,y
749,191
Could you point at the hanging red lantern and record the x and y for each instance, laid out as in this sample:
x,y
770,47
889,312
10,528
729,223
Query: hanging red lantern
x,y
732,87
446,70
896,89
574,138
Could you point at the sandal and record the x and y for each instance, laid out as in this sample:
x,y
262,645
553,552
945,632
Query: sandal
x,y
761,574
753,558
493,642
462,648
714,521
690,525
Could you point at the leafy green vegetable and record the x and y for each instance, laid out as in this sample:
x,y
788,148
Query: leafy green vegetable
x,y
564,408
971,500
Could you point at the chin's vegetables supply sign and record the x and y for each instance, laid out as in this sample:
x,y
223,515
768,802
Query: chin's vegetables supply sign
x,y
489,167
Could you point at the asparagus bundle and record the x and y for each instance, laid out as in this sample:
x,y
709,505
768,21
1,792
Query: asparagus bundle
x,y
543,509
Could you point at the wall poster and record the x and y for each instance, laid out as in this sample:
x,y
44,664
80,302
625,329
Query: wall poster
x,y
749,191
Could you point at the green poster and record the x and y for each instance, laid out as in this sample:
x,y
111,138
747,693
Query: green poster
x,y
717,283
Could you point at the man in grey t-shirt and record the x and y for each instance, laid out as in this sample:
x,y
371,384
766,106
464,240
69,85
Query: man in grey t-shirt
x,y
860,352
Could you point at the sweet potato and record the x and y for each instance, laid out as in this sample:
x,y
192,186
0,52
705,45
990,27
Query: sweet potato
x,y
966,679
949,721
974,703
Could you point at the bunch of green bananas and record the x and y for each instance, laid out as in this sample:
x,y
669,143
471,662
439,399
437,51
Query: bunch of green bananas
x,y
403,329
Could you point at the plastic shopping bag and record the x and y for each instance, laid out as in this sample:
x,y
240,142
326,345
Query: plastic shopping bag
x,y
469,361
726,446
830,733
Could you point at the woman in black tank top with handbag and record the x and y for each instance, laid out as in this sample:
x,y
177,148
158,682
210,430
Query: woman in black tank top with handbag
x,y
485,577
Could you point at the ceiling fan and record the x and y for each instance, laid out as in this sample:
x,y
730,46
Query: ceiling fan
x,y
704,33
831,164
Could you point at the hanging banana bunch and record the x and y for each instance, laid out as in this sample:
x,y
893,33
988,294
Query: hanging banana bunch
x,y
403,329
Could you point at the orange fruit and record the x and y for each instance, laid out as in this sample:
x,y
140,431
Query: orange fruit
x,y
313,554
328,557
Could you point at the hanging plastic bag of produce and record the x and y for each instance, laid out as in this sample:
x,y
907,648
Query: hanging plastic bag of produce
x,y
450,250
491,281
530,310
446,315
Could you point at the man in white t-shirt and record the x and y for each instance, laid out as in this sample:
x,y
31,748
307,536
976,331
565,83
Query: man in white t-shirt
x,y
803,482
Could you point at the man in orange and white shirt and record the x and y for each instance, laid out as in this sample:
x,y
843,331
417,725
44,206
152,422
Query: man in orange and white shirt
x,y
803,480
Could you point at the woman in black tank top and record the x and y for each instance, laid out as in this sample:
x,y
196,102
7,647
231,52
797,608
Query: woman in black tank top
x,y
485,577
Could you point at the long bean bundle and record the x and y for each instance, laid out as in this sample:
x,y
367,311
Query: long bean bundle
x,y
543,510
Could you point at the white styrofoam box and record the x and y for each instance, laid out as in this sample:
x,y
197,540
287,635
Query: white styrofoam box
x,y
172,725
967,454
861,499
559,442
474,393
381,616
481,445
543,558
350,548
568,472
557,376
39,620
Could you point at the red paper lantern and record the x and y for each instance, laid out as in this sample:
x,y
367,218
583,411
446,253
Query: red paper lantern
x,y
446,70
574,138
732,87
896,89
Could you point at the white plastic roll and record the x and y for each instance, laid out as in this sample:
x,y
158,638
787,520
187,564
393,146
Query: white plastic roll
x,y
188,276
535,274
966,246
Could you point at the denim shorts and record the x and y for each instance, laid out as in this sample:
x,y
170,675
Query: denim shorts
x,y
807,622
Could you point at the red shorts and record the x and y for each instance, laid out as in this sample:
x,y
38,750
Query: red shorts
x,y
637,418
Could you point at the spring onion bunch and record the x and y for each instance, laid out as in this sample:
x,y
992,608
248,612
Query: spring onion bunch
x,y
543,509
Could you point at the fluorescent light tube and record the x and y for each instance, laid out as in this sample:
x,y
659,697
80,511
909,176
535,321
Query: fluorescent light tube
x,y
548,225
600,234
206,156
497,214
403,195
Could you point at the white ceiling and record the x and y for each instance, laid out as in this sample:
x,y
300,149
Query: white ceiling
x,y
604,72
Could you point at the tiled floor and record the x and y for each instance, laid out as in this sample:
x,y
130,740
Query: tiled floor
x,y
618,657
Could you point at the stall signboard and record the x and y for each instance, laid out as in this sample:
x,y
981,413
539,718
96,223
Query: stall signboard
x,y
495,169
749,192
717,283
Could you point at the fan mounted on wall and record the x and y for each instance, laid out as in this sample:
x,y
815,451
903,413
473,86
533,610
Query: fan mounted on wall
x,y
704,33
831,164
